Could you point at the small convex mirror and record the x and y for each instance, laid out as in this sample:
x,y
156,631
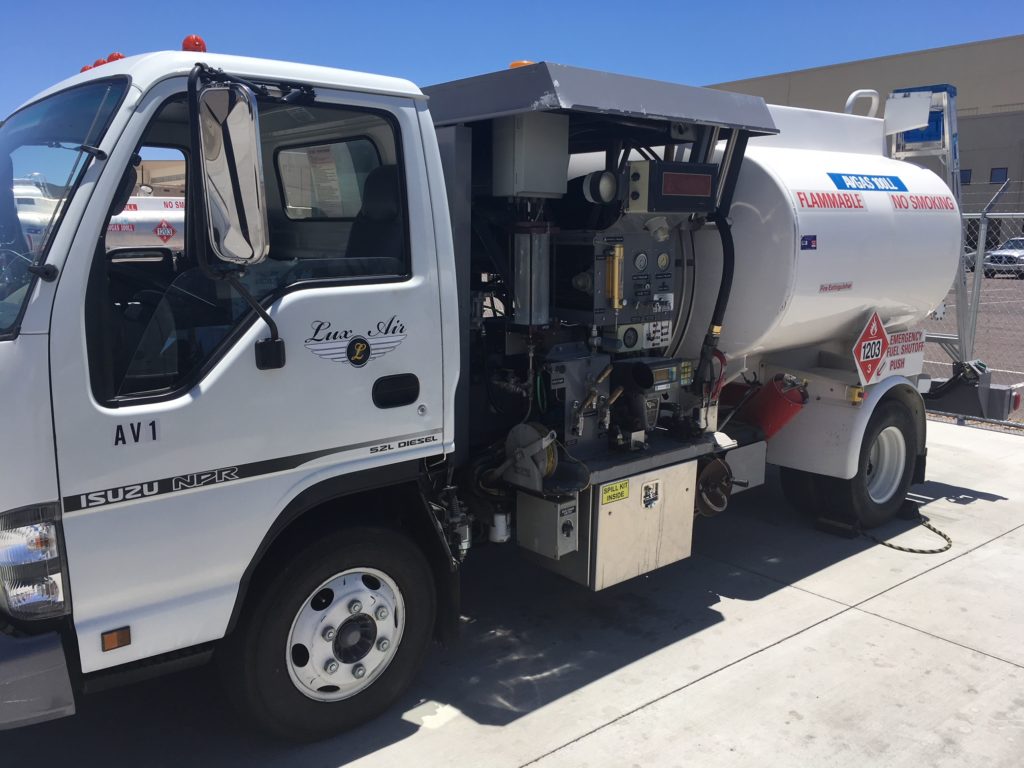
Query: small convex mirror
x,y
232,174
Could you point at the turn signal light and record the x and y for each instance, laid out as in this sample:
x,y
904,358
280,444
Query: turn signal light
x,y
116,638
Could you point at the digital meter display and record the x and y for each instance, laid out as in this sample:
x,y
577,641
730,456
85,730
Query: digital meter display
x,y
685,184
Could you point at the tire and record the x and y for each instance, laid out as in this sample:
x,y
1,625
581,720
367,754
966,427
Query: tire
x,y
990,273
877,492
1020,275
801,490
262,664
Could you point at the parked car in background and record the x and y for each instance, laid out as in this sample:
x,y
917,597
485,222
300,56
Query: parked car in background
x,y
1007,259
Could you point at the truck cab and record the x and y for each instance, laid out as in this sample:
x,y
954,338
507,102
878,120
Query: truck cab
x,y
134,383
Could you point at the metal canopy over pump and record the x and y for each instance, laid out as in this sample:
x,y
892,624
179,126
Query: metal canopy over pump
x,y
546,87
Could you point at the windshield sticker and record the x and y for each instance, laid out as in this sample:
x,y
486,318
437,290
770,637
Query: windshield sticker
x,y
855,182
354,347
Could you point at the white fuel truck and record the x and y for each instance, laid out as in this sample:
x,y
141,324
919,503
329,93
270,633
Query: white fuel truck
x,y
546,307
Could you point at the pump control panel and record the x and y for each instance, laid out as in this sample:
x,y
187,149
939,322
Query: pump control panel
x,y
667,187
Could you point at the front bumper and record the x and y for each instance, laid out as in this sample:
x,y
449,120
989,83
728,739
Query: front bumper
x,y
34,681
1004,269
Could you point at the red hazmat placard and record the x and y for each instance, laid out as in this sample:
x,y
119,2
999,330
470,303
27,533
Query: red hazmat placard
x,y
164,230
870,349
880,354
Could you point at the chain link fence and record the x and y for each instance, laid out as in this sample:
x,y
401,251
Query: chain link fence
x,y
999,340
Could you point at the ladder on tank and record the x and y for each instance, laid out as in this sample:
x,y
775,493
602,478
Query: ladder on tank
x,y
939,140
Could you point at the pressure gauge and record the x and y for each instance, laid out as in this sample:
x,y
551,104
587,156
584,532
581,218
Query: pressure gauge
x,y
630,338
640,261
663,260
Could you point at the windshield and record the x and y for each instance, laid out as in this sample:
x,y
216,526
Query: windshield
x,y
41,163
1016,244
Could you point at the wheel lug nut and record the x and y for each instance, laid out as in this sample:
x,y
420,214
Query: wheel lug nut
x,y
382,613
383,644
358,671
329,633
331,667
355,607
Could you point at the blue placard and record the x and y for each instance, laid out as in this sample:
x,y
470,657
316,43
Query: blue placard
x,y
859,182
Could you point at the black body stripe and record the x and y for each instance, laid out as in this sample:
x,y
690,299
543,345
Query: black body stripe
x,y
207,477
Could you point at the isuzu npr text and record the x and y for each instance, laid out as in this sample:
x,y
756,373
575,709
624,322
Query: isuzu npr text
x,y
378,328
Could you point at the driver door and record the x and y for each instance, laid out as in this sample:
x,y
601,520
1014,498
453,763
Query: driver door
x,y
176,453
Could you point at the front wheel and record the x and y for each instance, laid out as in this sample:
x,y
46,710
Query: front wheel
x,y
334,637
884,472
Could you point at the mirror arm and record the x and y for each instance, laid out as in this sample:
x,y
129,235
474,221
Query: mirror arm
x,y
252,302
290,94
269,352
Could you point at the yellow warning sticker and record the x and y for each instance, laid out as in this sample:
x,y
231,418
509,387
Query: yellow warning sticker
x,y
615,491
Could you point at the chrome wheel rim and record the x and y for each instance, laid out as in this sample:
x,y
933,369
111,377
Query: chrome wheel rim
x,y
886,461
345,634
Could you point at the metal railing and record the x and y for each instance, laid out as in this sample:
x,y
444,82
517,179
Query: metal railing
x,y
990,325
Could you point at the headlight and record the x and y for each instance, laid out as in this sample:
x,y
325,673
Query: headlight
x,y
31,563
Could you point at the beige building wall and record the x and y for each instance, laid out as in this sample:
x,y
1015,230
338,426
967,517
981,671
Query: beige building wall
x,y
988,75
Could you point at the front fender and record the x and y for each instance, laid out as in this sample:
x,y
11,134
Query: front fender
x,y
825,437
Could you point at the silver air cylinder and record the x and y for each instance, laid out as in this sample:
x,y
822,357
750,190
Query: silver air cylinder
x,y
532,284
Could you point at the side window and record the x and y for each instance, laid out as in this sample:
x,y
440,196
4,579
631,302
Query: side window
x,y
336,211
326,181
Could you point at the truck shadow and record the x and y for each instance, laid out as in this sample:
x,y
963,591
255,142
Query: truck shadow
x,y
528,639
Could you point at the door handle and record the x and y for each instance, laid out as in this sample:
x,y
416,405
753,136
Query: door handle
x,y
396,390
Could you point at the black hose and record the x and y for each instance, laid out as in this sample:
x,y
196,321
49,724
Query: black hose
x,y
721,303
728,269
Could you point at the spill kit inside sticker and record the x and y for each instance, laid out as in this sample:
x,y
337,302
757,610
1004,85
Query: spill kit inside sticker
x,y
615,491
809,243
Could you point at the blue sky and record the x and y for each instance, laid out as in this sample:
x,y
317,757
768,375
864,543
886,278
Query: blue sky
x,y
430,42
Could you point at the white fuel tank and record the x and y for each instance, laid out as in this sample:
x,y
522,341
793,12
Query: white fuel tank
x,y
826,229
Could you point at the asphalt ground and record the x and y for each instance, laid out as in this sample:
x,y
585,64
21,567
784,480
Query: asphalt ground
x,y
999,342
774,645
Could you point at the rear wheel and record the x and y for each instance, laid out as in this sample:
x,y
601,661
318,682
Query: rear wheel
x,y
884,472
990,273
334,637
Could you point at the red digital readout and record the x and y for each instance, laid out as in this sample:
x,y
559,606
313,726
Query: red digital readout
x,y
685,184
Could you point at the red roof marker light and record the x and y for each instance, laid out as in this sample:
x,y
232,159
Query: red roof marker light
x,y
194,43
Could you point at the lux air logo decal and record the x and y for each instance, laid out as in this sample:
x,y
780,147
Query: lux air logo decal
x,y
353,347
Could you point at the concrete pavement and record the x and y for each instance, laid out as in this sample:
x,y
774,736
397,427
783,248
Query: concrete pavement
x,y
774,645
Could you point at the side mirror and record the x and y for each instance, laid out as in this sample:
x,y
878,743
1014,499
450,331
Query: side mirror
x,y
231,169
